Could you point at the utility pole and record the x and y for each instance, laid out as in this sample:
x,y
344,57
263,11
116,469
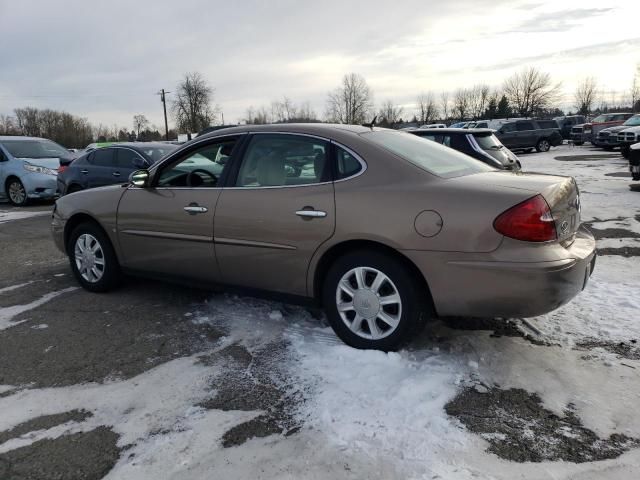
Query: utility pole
x,y
162,94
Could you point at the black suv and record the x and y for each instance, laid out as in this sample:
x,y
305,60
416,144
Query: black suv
x,y
566,123
479,143
529,134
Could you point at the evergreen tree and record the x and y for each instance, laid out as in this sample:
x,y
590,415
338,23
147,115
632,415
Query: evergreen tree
x,y
504,109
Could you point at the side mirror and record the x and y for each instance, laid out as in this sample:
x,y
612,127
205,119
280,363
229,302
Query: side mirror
x,y
139,178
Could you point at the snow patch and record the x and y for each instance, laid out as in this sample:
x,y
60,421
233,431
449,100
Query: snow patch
x,y
12,215
8,313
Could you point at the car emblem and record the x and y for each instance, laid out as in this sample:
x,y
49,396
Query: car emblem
x,y
564,226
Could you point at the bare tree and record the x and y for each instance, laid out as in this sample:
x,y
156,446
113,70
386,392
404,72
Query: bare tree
x,y
8,125
478,99
461,103
444,105
390,112
193,106
350,103
635,90
585,95
530,91
305,113
140,122
426,108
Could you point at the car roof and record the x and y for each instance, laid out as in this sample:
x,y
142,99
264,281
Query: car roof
x,y
452,130
20,137
309,128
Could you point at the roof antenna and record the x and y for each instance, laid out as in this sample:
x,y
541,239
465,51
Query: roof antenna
x,y
372,124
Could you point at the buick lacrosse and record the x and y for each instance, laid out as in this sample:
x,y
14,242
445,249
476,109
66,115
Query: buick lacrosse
x,y
381,228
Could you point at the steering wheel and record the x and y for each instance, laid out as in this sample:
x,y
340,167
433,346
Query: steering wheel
x,y
190,176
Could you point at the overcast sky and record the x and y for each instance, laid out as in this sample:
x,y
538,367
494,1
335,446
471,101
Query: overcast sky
x,y
105,60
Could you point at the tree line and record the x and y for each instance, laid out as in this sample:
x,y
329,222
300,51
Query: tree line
x,y
529,92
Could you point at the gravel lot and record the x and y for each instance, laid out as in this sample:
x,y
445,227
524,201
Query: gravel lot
x,y
161,381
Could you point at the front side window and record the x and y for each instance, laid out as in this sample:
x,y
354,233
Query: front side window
x,y
130,159
633,121
278,160
201,168
429,156
508,128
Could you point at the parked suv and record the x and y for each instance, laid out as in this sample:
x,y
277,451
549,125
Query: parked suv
x,y
566,123
479,143
629,135
109,165
28,168
588,132
529,134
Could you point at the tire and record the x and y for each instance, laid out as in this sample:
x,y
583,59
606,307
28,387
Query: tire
x,y
102,277
543,145
578,144
528,150
16,193
625,151
406,312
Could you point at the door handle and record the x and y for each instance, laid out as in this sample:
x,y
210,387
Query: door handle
x,y
116,174
85,172
194,209
311,213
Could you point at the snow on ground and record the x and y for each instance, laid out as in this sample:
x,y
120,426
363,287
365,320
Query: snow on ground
x,y
367,414
7,314
11,215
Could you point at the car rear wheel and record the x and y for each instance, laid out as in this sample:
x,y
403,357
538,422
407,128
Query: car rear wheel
x,y
93,261
373,301
16,192
543,145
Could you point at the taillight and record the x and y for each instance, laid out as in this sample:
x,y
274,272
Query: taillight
x,y
530,221
62,168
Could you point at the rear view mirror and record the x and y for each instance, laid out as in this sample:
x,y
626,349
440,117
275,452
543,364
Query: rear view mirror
x,y
139,178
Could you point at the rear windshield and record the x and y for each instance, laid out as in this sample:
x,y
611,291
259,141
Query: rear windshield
x,y
34,149
430,156
156,153
488,141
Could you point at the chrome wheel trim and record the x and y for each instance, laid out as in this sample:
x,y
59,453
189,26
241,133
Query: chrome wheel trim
x,y
368,303
89,258
17,193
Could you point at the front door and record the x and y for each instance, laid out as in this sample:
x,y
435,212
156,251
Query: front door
x,y
168,228
277,211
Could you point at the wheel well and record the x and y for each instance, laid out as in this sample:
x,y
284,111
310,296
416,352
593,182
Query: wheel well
x,y
341,249
76,220
9,178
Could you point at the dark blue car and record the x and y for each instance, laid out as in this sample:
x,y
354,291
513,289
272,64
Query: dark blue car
x,y
109,165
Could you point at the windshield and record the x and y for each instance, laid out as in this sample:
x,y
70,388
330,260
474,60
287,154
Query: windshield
x,y
156,153
488,141
633,121
34,149
430,156
602,119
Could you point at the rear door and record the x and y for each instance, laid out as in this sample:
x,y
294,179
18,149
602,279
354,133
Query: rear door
x,y
167,228
277,210
99,170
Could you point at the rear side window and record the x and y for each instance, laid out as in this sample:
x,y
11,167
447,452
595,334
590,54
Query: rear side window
x,y
347,164
548,124
522,126
103,157
274,160
429,156
508,127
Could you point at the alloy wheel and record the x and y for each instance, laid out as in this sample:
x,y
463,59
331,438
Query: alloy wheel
x,y
89,258
368,303
17,193
544,145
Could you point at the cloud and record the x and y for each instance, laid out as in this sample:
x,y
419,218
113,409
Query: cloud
x,y
557,21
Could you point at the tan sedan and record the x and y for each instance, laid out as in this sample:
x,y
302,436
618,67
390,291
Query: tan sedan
x,y
382,228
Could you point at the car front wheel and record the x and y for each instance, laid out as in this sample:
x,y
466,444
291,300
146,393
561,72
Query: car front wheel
x,y
543,145
17,193
93,261
373,301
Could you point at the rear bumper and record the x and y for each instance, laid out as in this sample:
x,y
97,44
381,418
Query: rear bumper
x,y
580,137
477,287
